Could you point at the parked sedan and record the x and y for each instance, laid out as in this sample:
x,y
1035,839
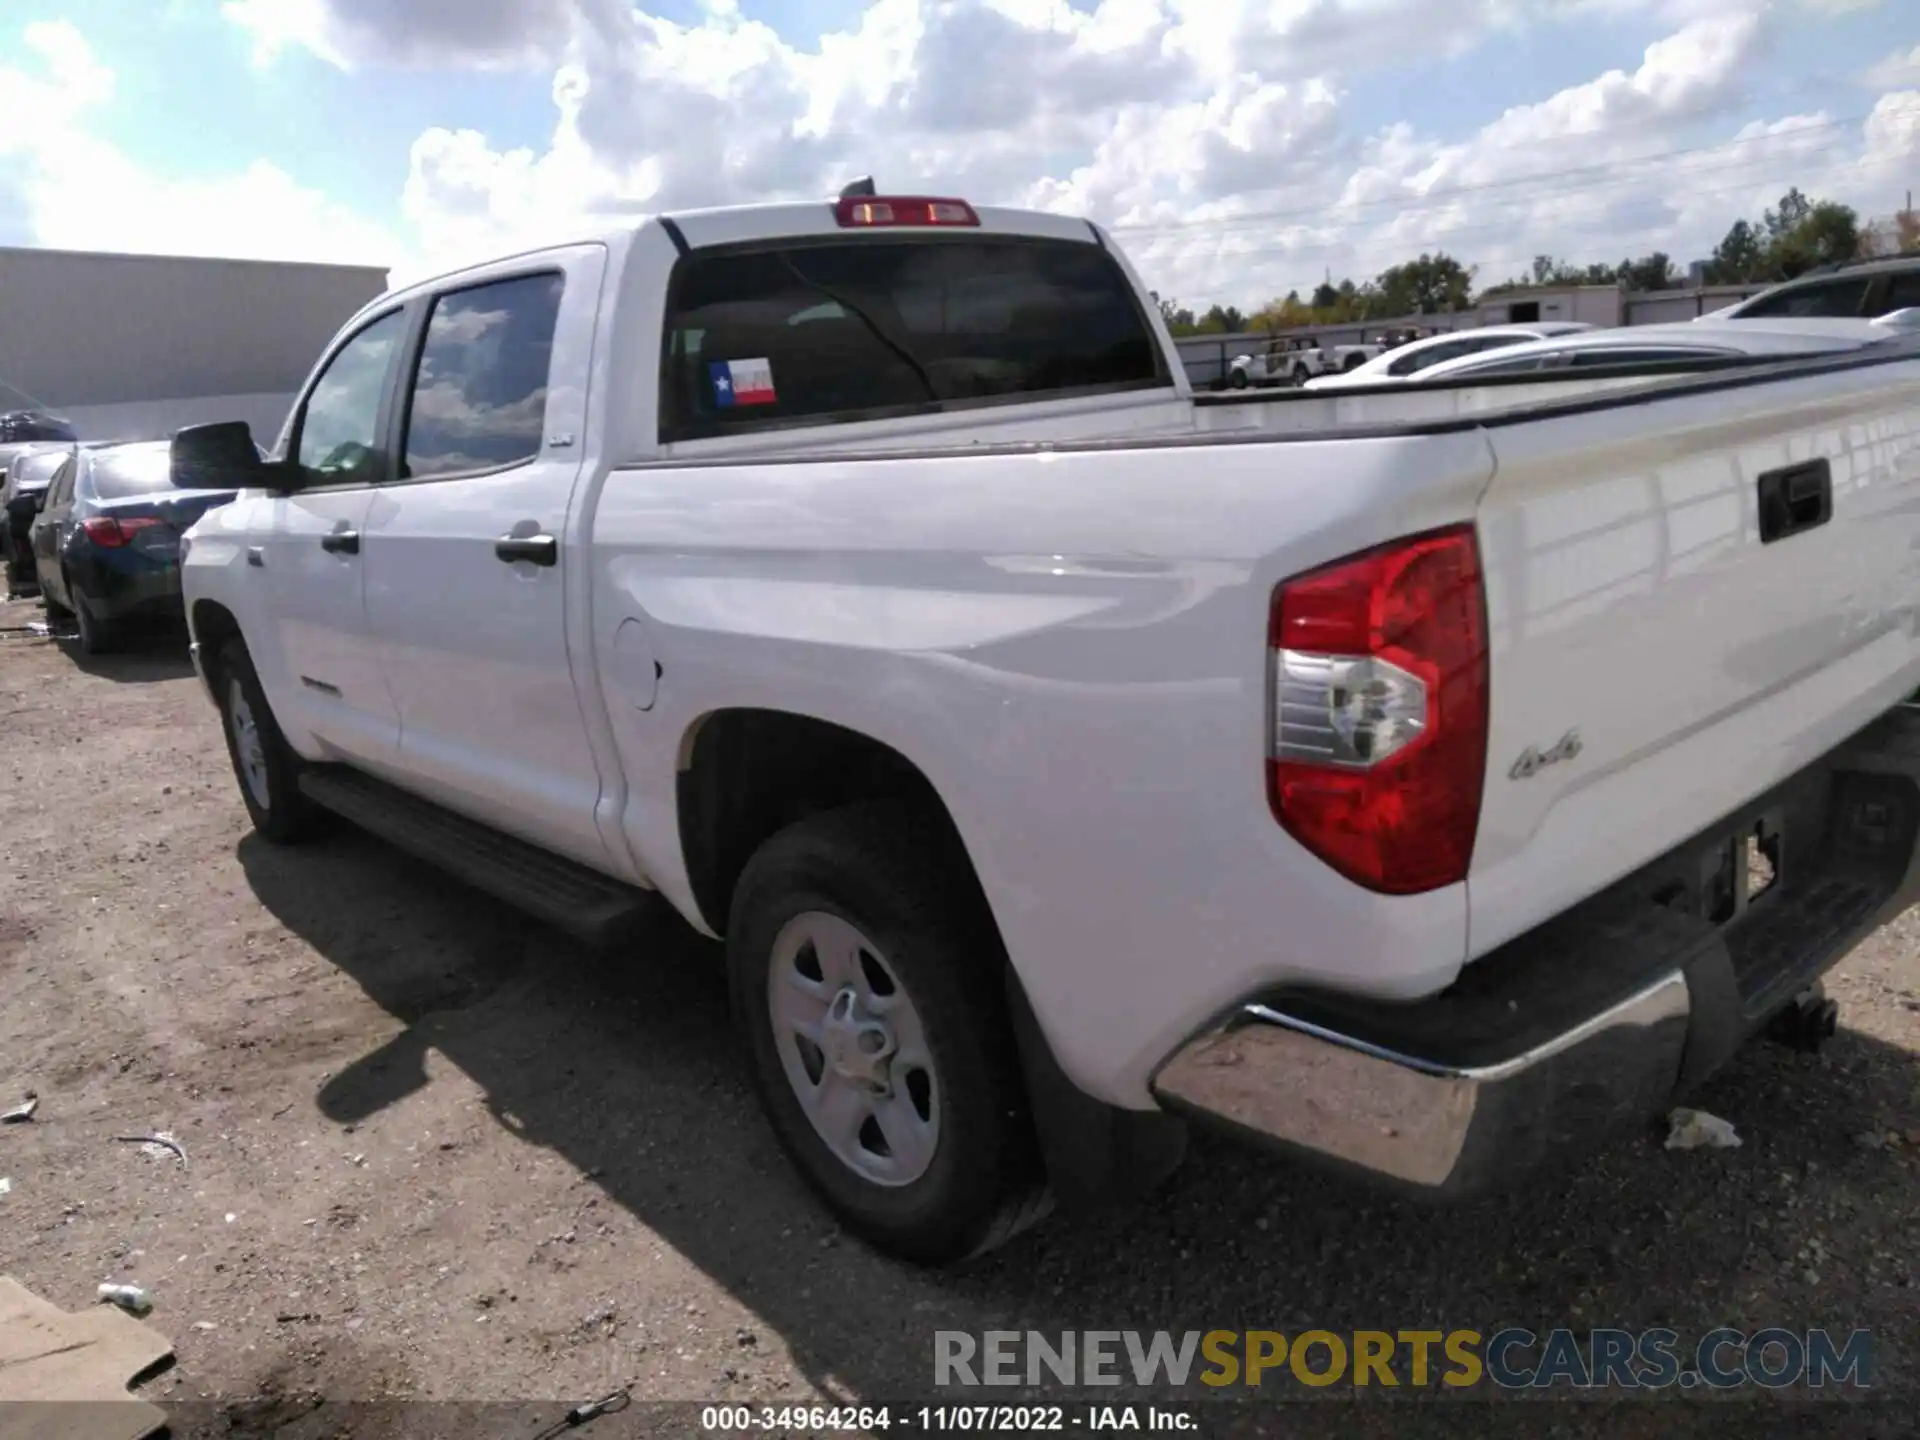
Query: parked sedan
x,y
1679,343
26,470
107,542
1405,361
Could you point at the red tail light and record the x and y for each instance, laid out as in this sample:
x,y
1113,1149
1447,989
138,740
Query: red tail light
x,y
869,211
1380,711
112,532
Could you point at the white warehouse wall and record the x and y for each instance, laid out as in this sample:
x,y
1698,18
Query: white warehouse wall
x,y
157,419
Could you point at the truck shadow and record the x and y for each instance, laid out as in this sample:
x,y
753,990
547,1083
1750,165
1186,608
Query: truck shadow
x,y
629,1071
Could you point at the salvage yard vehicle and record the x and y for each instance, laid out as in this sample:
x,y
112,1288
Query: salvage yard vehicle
x,y
1401,362
1863,289
1064,760
106,543
1297,360
1682,343
26,469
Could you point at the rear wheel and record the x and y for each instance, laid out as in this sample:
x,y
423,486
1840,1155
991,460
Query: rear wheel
x,y
97,637
56,612
264,764
1238,380
869,987
1301,375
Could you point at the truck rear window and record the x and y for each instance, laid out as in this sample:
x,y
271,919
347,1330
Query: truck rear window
x,y
813,333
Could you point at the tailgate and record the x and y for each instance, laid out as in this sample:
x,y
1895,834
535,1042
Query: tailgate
x,y
1688,600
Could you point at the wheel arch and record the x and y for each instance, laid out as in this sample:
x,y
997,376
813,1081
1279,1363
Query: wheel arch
x,y
745,774
211,626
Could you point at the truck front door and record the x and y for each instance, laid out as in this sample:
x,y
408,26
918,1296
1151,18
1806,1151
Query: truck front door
x,y
319,664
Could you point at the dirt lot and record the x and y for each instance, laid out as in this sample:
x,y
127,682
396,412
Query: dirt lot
x,y
436,1151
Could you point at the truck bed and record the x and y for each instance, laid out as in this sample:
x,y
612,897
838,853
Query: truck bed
x,y
1090,630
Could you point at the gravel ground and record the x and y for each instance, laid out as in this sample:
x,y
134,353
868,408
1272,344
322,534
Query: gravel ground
x,y
436,1151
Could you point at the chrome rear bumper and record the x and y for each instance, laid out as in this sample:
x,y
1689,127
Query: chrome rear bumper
x,y
1446,1129
1602,1016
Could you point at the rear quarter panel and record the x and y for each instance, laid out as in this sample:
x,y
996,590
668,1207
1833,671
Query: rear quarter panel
x,y
1072,648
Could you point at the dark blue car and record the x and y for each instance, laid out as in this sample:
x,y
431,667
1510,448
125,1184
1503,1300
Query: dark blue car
x,y
107,541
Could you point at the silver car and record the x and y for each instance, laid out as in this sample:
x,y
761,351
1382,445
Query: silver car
x,y
1692,340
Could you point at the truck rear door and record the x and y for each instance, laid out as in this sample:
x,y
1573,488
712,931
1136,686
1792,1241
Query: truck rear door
x,y
465,553
1689,598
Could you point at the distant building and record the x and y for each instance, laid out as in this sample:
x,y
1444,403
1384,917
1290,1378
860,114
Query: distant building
x,y
135,346
1601,305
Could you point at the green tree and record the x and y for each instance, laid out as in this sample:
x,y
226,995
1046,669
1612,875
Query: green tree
x,y
1430,285
1826,234
1650,272
1740,256
1326,295
1223,320
1791,214
1178,317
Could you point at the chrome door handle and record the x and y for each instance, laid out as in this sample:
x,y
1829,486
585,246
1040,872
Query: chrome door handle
x,y
341,542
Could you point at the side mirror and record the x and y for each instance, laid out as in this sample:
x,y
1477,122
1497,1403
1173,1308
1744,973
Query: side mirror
x,y
221,456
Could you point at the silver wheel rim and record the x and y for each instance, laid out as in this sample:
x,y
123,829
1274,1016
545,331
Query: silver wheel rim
x,y
247,744
853,1049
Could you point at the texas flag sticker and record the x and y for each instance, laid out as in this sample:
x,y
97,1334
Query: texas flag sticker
x,y
742,382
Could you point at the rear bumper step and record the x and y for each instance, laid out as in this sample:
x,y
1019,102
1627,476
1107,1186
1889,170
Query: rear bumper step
x,y
1597,1019
586,904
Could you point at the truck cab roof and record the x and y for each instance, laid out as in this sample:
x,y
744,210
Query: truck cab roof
x,y
745,224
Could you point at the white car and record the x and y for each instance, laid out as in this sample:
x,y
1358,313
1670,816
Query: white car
x,y
1669,345
1059,773
1405,361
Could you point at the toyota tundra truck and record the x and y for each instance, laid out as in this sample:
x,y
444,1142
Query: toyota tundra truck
x,y
1422,785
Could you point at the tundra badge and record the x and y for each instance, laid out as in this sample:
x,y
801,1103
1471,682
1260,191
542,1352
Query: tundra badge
x,y
1532,761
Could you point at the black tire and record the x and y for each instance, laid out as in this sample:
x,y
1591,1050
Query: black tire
x,y
1353,362
283,815
1238,380
97,637
890,872
56,612
1301,375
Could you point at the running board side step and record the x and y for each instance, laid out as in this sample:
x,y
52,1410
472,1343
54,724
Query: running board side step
x,y
584,903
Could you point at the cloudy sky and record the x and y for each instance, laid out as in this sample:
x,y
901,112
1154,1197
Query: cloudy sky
x,y
1239,147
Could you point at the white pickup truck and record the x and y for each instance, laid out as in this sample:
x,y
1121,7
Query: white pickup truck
x,y
1419,782
1296,361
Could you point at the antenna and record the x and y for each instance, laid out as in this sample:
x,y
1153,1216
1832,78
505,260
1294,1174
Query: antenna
x,y
860,187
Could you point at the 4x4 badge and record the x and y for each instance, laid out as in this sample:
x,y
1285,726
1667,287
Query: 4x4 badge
x,y
1533,761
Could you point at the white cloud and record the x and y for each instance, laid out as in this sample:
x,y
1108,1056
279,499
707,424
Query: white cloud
x,y
352,33
1210,132
1895,72
71,189
1215,135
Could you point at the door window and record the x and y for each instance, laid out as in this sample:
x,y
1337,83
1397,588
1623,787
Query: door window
x,y
1902,292
1453,350
479,394
1813,302
1645,355
339,437
60,491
